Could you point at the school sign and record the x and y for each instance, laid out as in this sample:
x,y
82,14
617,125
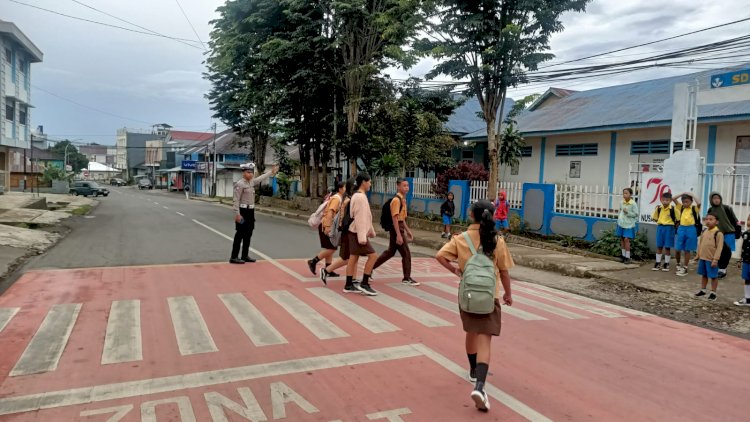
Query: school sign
x,y
723,80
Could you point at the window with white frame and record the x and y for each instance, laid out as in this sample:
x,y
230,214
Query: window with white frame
x,y
411,173
660,146
467,155
573,150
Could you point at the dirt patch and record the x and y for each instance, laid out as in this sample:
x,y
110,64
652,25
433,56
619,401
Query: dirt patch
x,y
82,210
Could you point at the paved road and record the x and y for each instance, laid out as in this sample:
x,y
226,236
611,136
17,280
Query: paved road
x,y
132,227
201,340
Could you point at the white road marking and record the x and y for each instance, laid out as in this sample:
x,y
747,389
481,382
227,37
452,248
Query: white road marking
x,y
190,328
44,350
128,389
156,203
583,299
425,318
321,327
251,320
123,342
355,312
179,213
494,392
165,207
582,306
518,313
6,314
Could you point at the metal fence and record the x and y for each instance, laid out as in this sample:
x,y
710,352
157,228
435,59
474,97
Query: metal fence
x,y
513,191
588,201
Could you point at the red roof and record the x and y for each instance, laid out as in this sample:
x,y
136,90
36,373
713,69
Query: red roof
x,y
190,136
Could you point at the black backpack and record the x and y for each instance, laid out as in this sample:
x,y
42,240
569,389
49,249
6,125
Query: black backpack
x,y
698,222
386,220
346,218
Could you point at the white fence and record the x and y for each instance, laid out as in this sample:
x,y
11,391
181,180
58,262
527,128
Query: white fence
x,y
513,190
732,181
423,187
385,185
588,201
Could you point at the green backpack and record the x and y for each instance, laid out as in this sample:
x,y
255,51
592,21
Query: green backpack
x,y
476,292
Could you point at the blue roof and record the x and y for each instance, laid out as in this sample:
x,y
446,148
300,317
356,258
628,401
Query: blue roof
x,y
466,118
640,104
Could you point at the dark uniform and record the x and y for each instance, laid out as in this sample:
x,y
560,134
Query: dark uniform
x,y
244,204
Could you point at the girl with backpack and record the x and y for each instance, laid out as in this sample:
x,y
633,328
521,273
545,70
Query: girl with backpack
x,y
324,228
343,259
729,225
360,233
482,259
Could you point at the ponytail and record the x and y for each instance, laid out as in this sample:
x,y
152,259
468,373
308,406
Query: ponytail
x,y
482,212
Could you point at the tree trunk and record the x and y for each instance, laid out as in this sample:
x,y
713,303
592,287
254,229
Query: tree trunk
x,y
305,166
492,150
316,168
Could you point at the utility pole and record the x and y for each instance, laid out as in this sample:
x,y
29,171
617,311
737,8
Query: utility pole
x,y
213,168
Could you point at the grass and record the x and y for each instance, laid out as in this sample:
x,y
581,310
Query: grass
x,y
82,210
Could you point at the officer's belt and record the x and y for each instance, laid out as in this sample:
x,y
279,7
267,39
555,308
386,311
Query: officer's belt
x,y
247,206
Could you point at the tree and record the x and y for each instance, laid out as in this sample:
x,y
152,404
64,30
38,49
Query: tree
x,y
511,140
75,159
493,44
371,34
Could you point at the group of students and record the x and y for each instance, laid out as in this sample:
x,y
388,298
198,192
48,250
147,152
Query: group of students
x,y
346,225
347,214
680,227
501,213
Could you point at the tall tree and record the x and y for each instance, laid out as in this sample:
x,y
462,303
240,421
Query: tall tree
x,y
74,158
493,43
511,139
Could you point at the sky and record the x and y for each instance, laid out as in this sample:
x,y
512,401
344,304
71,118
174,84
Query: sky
x,y
96,79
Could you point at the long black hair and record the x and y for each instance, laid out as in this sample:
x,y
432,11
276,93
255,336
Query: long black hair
x,y
350,182
336,187
482,212
362,176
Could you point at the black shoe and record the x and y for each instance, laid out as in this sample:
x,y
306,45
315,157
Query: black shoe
x,y
324,276
333,274
236,261
622,258
665,268
367,290
352,288
627,261
657,267
722,274
248,259
473,375
712,296
312,265
700,293
410,282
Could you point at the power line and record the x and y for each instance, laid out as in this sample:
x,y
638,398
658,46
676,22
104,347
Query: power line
x,y
104,24
89,107
131,23
190,23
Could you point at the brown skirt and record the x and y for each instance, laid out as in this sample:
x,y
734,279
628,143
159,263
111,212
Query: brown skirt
x,y
325,241
356,249
482,324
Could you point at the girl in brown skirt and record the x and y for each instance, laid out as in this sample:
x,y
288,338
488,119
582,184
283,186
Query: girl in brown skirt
x,y
480,328
328,249
343,259
360,233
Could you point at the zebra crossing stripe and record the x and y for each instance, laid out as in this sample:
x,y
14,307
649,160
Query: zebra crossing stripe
x,y
355,312
44,350
582,306
6,314
190,328
518,313
425,318
251,320
316,323
122,341
583,299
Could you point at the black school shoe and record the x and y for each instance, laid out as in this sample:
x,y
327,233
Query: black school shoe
x,y
236,261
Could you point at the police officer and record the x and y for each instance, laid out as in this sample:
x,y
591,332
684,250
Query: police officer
x,y
244,209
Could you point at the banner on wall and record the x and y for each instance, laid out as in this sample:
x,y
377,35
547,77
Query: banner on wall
x,y
681,173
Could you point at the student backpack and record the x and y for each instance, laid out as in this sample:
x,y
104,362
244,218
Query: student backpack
x,y
476,291
386,219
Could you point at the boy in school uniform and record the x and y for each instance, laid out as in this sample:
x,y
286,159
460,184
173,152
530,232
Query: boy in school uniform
x,y
709,251
688,208
745,265
665,218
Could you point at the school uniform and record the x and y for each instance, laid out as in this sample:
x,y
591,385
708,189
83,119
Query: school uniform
x,y
447,210
458,250
687,236
665,221
627,219
344,243
502,208
361,226
398,210
709,249
745,255
324,228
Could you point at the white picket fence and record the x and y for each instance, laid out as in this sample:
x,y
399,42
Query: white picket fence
x,y
423,187
588,201
513,190
385,185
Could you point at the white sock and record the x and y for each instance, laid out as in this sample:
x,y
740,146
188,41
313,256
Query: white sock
x,y
667,258
724,271
627,254
747,291
658,258
623,252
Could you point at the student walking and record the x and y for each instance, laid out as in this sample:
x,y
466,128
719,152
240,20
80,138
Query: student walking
x,y
481,256
626,223
709,252
344,222
360,233
728,225
447,211
502,209
243,204
745,265
324,229
688,208
187,190
665,218
393,220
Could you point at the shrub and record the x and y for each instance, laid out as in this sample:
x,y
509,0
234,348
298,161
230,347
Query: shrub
x,y
462,171
609,244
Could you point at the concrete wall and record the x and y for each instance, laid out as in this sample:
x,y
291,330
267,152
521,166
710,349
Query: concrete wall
x,y
593,168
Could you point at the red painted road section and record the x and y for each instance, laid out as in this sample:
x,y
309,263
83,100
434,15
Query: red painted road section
x,y
588,368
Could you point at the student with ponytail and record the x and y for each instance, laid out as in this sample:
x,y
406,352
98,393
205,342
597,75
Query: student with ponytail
x,y
480,238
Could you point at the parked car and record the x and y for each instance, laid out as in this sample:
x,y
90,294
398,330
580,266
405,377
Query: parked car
x,y
117,182
88,188
144,183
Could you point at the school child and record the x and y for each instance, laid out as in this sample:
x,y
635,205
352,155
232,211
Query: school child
x,y
481,247
327,246
710,245
447,210
688,207
626,222
664,216
343,258
502,209
360,233
745,265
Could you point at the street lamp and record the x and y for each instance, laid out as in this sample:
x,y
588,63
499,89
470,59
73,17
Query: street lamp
x,y
66,156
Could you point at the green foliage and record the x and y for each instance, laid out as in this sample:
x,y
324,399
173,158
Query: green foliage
x,y
609,244
75,159
82,210
53,173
